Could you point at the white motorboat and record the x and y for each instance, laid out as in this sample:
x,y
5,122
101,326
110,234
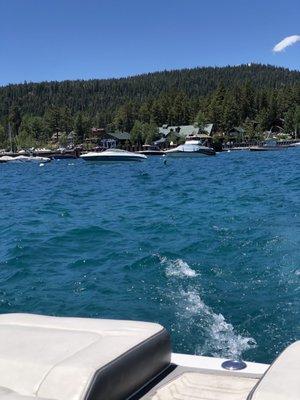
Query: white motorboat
x,y
191,148
297,144
5,159
269,145
32,159
45,357
113,155
22,159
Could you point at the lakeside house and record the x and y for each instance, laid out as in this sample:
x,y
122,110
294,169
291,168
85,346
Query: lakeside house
x,y
69,139
100,137
236,133
181,132
115,139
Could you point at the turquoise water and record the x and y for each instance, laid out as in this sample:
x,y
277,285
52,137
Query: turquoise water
x,y
208,247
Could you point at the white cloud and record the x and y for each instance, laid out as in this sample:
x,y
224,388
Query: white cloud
x,y
288,41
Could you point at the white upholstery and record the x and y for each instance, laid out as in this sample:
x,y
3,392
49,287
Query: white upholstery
x,y
7,394
282,379
56,358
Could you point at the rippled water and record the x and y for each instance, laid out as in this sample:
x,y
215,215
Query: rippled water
x,y
208,247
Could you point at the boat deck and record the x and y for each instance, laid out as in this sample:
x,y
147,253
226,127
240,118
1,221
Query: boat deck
x,y
183,383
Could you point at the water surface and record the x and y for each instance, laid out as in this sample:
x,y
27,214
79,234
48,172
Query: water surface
x,y
208,247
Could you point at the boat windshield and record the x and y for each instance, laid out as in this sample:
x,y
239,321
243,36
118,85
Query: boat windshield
x,y
116,150
189,147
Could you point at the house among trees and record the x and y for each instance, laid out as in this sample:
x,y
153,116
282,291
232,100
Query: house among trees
x,y
237,133
95,136
115,139
184,131
100,137
56,136
71,138
277,127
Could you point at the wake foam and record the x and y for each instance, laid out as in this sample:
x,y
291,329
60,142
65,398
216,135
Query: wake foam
x,y
178,268
196,322
220,339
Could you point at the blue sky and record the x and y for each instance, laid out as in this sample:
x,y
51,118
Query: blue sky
x,y
81,39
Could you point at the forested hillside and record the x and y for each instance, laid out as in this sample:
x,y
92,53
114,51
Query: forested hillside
x,y
227,96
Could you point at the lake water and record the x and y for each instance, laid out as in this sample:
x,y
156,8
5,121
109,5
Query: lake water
x,y
208,247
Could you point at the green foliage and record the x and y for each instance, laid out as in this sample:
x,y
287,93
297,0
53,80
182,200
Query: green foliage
x,y
82,126
297,121
289,121
263,120
200,121
66,120
15,120
52,120
249,127
226,97
63,140
136,136
143,132
124,118
3,138
25,140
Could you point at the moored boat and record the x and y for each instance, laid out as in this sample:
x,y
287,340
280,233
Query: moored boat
x,y
21,159
297,144
191,148
151,150
269,145
113,155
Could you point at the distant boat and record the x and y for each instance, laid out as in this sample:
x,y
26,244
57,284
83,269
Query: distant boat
x,y
295,145
191,148
113,155
43,150
151,150
269,145
24,159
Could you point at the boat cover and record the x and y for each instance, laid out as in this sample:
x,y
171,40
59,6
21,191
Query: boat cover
x,y
53,358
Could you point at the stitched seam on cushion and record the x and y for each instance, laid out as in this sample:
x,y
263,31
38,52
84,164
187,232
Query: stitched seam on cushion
x,y
61,362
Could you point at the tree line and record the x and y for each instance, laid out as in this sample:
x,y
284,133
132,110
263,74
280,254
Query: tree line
x,y
251,96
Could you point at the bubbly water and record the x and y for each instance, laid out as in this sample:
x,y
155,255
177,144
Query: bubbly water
x,y
208,247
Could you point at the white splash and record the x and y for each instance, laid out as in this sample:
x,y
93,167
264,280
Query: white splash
x,y
178,268
220,338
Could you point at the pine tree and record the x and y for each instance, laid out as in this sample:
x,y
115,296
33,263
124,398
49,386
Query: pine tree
x,y
82,126
136,134
53,121
200,121
15,120
289,122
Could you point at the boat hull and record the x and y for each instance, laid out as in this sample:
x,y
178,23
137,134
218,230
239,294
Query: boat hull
x,y
267,148
152,152
110,159
190,153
